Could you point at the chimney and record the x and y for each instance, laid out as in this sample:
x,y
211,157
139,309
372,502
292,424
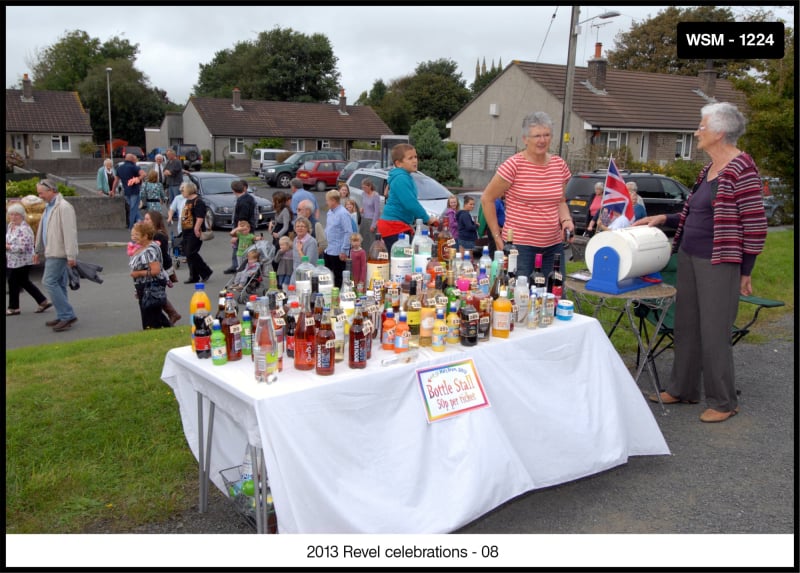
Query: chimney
x,y
27,89
237,99
708,81
342,103
597,69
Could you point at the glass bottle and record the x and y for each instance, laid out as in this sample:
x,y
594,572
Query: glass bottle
x,y
291,326
453,325
247,335
357,352
338,324
427,316
538,280
413,311
555,280
444,243
265,346
347,299
278,323
220,316
325,345
468,316
439,333
304,335
368,320
232,329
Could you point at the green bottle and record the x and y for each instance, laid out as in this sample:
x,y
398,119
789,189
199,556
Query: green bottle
x,y
247,334
219,353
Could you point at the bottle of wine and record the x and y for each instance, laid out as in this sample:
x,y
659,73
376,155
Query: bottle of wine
x,y
555,280
538,280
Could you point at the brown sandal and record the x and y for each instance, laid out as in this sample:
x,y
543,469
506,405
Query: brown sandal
x,y
44,306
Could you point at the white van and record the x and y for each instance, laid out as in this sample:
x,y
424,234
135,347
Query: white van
x,y
263,157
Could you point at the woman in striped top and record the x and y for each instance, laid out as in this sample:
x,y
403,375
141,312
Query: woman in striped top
x,y
720,232
533,183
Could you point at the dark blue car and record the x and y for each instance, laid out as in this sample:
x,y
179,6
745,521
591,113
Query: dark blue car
x,y
155,151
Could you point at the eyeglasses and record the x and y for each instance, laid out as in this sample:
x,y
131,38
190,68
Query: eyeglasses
x,y
540,136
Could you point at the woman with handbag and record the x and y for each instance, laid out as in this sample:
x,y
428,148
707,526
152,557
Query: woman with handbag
x,y
148,275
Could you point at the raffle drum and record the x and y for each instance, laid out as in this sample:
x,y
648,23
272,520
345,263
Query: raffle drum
x,y
617,259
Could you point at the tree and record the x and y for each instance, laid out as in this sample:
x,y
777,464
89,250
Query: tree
x,y
435,160
651,45
280,65
65,64
484,80
771,111
134,104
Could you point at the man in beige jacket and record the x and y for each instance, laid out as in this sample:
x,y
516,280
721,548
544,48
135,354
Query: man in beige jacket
x,y
57,241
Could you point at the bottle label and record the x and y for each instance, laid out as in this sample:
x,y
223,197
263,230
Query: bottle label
x,y
209,320
310,321
473,317
431,301
401,341
383,256
483,322
347,296
408,251
202,343
441,300
218,353
324,354
235,328
414,305
387,337
501,320
359,350
367,327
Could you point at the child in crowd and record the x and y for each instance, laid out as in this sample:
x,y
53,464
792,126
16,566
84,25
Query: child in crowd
x,y
153,193
284,257
352,208
467,229
245,237
244,275
358,257
449,216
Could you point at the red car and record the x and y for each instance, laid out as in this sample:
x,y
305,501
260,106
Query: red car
x,y
320,174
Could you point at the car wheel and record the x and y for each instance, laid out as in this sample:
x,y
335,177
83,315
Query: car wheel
x,y
192,155
209,220
284,180
321,187
777,216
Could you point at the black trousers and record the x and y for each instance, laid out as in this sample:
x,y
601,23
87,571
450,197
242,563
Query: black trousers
x,y
19,279
151,318
336,265
198,269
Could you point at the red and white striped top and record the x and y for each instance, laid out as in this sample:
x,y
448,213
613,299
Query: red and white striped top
x,y
533,198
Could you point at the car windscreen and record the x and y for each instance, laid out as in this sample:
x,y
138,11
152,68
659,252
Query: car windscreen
x,y
583,187
429,189
217,185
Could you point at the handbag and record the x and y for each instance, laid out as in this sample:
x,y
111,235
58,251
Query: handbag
x,y
206,235
154,293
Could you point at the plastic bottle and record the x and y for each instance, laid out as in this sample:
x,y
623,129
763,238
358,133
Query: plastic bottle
x,y
401,334
378,267
439,333
422,249
496,265
322,281
292,296
453,325
401,261
501,315
302,275
485,259
219,354
427,317
247,334
522,298
198,295
201,335
265,346
388,330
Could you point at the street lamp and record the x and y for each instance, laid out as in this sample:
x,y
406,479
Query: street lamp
x,y
570,81
110,138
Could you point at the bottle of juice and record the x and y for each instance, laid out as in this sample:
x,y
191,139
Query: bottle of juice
x,y
232,328
388,330
501,315
198,295
202,331
401,334
219,354
453,325
247,334
305,335
439,336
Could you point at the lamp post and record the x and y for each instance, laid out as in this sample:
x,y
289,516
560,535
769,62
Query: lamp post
x,y
110,138
566,111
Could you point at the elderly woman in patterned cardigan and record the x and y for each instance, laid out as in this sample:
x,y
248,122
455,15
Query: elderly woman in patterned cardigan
x,y
721,231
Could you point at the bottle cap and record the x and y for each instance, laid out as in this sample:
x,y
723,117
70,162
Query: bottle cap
x,y
199,286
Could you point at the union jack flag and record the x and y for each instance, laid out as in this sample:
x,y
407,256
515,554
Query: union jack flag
x,y
615,195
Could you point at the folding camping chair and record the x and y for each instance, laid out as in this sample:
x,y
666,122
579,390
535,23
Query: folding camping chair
x,y
649,316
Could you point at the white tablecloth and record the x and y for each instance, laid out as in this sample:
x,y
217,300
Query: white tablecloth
x,y
354,452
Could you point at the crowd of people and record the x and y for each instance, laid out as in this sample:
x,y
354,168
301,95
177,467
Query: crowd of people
x,y
720,232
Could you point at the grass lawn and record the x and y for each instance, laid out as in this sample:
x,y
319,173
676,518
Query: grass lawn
x,y
94,436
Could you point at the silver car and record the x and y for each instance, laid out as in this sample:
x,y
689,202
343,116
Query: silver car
x,y
432,195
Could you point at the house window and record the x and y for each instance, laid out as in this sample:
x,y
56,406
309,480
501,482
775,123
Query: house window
x,y
683,146
616,139
296,145
59,143
324,144
236,145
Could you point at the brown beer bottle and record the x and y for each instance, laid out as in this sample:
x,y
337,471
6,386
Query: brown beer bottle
x,y
325,345
304,336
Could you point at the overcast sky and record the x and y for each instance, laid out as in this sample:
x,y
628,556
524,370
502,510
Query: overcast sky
x,y
370,42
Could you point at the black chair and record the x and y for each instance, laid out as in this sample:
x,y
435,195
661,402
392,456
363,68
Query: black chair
x,y
648,318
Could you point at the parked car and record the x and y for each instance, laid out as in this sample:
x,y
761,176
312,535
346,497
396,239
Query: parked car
x,y
777,201
146,166
661,194
124,150
320,174
281,174
348,170
155,151
215,189
432,195
262,158
190,155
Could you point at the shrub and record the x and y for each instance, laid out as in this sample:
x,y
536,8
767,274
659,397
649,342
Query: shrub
x,y
206,155
28,187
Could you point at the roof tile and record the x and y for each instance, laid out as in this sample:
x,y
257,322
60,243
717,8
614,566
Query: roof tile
x,y
49,112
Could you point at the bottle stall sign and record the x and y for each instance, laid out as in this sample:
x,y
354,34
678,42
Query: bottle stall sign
x,y
451,389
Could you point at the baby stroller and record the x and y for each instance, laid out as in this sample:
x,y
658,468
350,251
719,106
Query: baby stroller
x,y
256,283
177,250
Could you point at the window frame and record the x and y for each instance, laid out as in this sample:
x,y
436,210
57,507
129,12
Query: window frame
x,y
60,139
236,145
